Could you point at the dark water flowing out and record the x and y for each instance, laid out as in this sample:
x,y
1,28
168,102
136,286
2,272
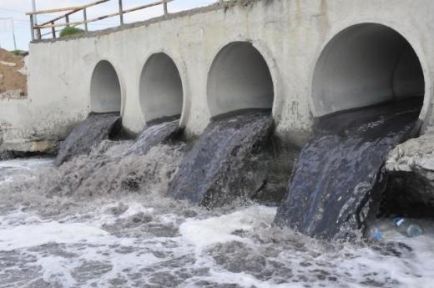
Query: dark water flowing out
x,y
89,133
339,170
226,161
152,135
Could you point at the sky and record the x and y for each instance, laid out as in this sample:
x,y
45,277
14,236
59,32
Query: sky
x,y
16,9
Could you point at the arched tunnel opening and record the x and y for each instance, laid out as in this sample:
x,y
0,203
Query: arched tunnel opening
x,y
161,90
367,94
105,91
239,79
103,122
364,65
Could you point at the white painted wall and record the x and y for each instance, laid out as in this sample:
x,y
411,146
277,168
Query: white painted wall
x,y
289,34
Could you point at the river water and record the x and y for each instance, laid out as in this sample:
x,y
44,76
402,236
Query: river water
x,y
79,225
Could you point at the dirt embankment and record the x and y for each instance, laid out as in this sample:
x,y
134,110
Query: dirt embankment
x,y
13,79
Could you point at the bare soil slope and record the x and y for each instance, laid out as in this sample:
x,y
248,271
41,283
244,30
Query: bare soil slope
x,y
13,81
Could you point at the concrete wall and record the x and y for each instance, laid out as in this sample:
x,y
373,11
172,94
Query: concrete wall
x,y
291,35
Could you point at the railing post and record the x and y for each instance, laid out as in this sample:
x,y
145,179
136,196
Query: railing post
x,y
67,20
85,19
53,30
38,32
121,13
32,27
165,7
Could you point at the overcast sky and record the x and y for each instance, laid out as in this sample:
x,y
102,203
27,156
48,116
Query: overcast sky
x,y
16,9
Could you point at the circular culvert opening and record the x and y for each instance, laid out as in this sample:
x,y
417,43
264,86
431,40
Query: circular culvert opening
x,y
161,91
364,65
239,78
105,89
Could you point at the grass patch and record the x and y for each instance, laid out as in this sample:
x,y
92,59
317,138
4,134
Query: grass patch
x,y
70,31
21,53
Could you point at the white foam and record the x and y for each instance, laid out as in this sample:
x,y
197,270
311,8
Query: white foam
x,y
206,232
134,209
28,164
32,235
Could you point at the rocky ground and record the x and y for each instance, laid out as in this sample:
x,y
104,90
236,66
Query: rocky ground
x,y
411,167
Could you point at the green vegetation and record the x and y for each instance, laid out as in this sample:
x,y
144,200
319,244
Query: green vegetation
x,y
21,53
70,31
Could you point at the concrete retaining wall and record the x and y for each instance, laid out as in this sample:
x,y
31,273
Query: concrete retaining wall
x,y
290,35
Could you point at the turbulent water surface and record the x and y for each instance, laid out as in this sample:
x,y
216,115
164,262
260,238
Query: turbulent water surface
x,y
99,221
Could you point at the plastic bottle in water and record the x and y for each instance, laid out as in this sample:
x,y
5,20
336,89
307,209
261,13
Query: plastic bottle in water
x,y
405,227
375,233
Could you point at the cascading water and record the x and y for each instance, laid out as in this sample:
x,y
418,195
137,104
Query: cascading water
x,y
101,169
89,133
152,135
339,170
227,162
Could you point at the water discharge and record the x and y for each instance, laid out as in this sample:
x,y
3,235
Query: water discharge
x,y
141,238
86,135
339,171
228,161
153,134
103,218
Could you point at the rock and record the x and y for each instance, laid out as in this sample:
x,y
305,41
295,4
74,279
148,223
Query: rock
x,y
411,171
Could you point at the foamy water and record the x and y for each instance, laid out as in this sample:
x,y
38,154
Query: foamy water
x,y
141,238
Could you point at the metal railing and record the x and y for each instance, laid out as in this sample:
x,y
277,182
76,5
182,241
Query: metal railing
x,y
52,24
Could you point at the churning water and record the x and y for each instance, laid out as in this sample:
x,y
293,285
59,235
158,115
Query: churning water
x,y
104,221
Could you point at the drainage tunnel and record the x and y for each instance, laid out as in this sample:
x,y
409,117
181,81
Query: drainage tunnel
x,y
365,65
161,91
105,89
239,78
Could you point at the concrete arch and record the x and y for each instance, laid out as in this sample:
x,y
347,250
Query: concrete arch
x,y
105,89
161,89
363,65
239,78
